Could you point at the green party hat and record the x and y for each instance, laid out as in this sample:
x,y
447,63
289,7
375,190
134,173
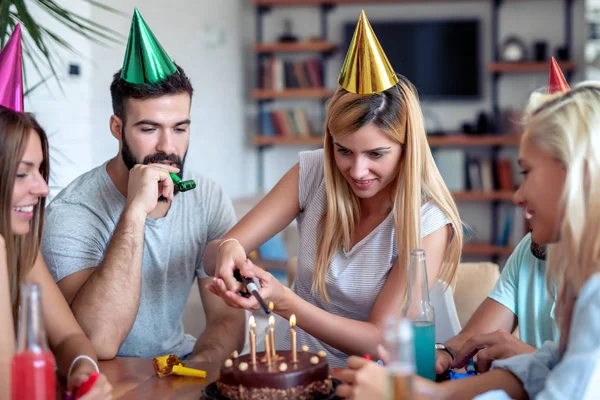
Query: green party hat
x,y
145,59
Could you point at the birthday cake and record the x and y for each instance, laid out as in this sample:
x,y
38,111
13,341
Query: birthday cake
x,y
307,378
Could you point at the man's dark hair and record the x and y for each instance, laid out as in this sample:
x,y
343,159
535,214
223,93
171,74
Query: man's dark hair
x,y
539,251
121,90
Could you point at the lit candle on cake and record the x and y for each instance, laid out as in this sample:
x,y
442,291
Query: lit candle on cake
x,y
272,335
267,347
252,324
293,335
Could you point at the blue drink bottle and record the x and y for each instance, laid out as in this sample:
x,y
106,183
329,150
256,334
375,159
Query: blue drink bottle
x,y
419,310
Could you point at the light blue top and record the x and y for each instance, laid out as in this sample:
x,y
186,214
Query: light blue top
x,y
546,376
522,289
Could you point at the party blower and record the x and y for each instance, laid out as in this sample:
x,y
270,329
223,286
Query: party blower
x,y
172,365
183,186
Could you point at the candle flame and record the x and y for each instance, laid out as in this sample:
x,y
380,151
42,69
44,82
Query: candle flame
x,y
271,321
293,320
252,322
271,306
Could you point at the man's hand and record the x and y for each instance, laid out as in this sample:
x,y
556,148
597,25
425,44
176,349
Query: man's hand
x,y
443,362
493,346
147,183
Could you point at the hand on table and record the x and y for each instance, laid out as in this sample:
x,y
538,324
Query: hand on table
x,y
101,389
367,380
363,379
493,346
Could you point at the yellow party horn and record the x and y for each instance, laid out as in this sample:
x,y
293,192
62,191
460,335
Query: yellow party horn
x,y
172,365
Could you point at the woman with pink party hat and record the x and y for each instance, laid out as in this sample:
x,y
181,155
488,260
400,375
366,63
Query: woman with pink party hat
x,y
362,204
560,160
24,172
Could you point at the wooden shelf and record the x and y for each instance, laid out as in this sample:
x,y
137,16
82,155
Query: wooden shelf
x,y
435,141
287,140
295,47
500,195
318,2
315,93
485,249
528,66
473,140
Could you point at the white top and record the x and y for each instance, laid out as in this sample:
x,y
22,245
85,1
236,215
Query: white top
x,y
354,278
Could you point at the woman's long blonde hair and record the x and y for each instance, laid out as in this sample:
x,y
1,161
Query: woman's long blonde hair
x,y
21,251
397,113
567,126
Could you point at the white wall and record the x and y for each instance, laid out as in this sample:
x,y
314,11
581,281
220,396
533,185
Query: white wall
x,y
65,114
204,38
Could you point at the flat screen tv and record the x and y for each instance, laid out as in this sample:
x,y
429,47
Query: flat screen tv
x,y
440,57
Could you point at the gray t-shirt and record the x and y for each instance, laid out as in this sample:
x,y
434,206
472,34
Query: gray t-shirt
x,y
80,222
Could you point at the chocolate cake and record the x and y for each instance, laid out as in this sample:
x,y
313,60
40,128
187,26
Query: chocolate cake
x,y
282,379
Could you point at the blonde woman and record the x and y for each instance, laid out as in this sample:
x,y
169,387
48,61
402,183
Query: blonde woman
x,y
362,204
560,161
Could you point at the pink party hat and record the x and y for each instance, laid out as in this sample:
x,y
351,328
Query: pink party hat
x,y
11,72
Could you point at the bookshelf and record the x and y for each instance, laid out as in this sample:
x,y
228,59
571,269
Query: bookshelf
x,y
528,66
434,141
268,3
484,249
286,94
322,47
495,195
305,46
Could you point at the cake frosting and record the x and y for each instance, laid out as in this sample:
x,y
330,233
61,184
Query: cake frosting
x,y
306,379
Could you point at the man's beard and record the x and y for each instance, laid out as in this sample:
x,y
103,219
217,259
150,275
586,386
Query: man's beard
x,y
130,162
538,250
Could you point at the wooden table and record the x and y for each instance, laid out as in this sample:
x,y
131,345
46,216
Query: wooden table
x,y
134,378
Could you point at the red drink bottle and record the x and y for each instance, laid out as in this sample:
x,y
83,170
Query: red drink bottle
x,y
33,369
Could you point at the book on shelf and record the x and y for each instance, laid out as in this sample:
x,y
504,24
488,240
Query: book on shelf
x,y
474,174
504,174
279,74
285,122
512,228
487,175
450,163
463,172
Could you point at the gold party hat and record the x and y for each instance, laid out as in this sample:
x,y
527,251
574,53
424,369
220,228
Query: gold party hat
x,y
366,69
